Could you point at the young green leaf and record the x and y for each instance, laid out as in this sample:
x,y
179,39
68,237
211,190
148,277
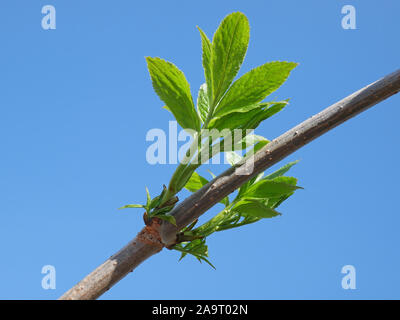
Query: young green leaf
x,y
281,171
273,201
185,176
161,211
133,206
263,142
148,200
247,108
203,105
207,63
245,186
157,200
254,208
233,121
229,47
247,120
195,182
172,87
259,145
269,189
263,114
254,86
286,180
197,248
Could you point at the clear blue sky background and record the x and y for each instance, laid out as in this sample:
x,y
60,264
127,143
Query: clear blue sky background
x,y
76,104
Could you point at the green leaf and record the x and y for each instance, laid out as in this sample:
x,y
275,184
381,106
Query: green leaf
x,y
211,225
261,144
207,62
264,114
234,120
287,180
269,189
254,180
229,47
185,176
247,120
133,206
275,201
161,211
254,208
248,184
282,170
197,248
195,182
207,261
254,86
170,219
148,200
225,143
172,87
157,200
202,102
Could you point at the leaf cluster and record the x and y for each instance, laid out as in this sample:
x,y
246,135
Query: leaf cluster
x,y
256,199
224,105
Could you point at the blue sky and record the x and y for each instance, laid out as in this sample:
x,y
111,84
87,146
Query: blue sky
x,y
76,104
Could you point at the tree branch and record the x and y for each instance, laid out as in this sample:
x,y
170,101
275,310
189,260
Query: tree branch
x,y
153,238
142,247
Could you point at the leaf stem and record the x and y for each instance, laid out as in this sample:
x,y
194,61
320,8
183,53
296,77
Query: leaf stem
x,y
181,172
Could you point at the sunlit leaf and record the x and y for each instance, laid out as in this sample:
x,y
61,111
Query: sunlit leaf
x,y
255,208
254,86
203,103
269,188
195,182
148,200
229,47
207,61
282,170
172,87
197,248
247,120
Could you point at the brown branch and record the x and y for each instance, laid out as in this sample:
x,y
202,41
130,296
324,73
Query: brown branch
x,y
145,244
152,239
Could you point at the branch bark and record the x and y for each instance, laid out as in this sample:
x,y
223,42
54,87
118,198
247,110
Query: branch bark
x,y
161,234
